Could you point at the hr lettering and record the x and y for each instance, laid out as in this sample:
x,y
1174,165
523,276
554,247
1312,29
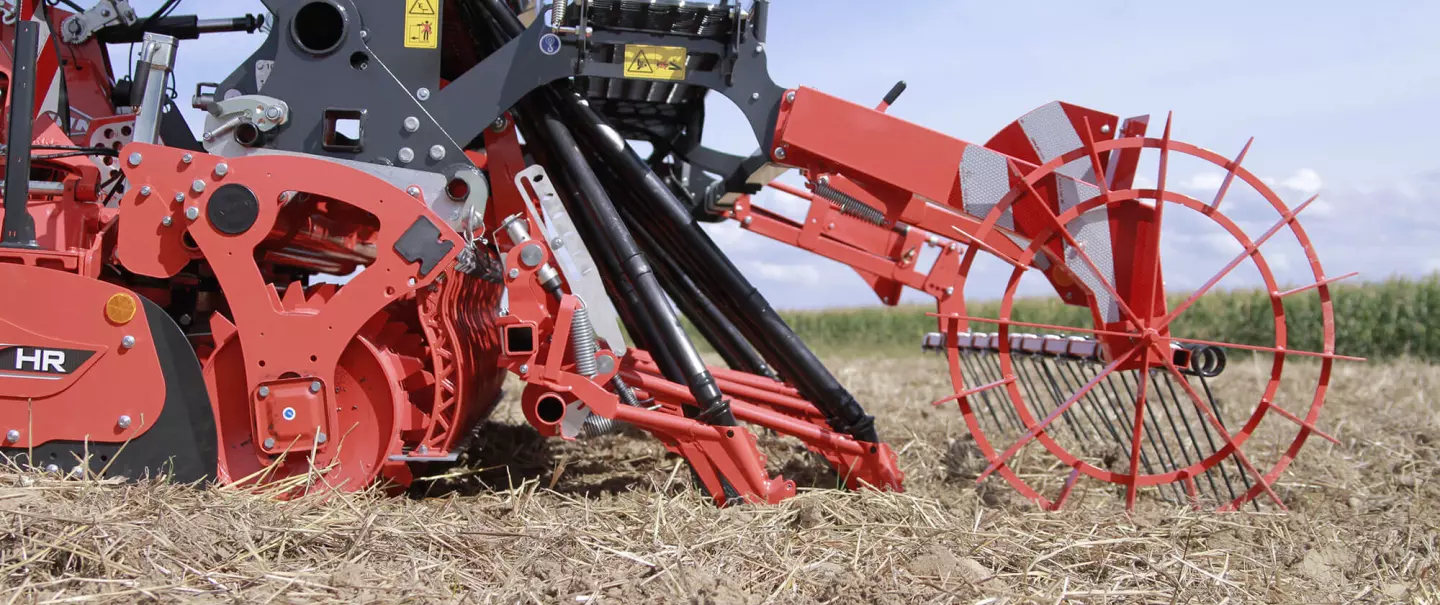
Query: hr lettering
x,y
42,360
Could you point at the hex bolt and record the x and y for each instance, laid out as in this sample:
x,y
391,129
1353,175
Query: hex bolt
x,y
412,124
12,435
423,94
437,152
1104,129
830,227
320,438
222,169
557,243
128,341
953,247
406,155
949,290
135,158
748,220
269,442
187,158
779,153
498,124
272,113
263,392
145,190
524,368
123,422
411,282
514,273
167,221
754,96
198,186
759,48
180,198
423,449
413,190
790,97
192,213
315,386
52,468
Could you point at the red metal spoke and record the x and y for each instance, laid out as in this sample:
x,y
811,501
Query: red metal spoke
x,y
1027,324
1100,178
1192,492
1138,431
1065,490
1077,247
1039,428
1275,350
1284,413
1249,250
1160,211
1323,282
1230,175
1220,428
979,389
792,190
978,243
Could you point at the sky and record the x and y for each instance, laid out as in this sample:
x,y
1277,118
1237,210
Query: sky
x,y
1339,97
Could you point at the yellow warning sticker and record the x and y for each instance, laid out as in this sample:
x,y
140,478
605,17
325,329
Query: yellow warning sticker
x,y
654,62
422,24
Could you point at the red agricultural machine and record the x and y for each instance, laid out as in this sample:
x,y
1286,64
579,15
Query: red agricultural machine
x,y
468,165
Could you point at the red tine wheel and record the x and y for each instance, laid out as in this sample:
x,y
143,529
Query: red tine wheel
x,y
1136,341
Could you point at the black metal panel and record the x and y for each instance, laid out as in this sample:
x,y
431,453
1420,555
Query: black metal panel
x,y
19,226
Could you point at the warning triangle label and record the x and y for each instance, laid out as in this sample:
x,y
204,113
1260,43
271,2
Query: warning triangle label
x,y
641,64
420,7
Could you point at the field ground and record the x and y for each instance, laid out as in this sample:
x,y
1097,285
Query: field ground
x,y
614,520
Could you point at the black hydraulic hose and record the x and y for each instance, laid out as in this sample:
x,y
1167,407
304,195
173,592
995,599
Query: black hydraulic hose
x,y
722,335
714,408
719,278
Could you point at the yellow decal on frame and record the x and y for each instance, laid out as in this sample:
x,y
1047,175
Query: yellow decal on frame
x,y
654,62
422,24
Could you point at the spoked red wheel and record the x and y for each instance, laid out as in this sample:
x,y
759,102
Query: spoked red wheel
x,y
1133,388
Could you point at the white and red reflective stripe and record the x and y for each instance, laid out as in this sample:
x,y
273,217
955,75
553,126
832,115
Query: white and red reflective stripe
x,y
47,67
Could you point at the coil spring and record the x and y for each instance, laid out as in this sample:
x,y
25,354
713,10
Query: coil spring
x,y
849,205
557,13
582,338
597,425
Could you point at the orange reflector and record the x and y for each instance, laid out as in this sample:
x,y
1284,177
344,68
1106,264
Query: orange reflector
x,y
120,309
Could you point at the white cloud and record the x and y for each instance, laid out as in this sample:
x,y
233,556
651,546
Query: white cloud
x,y
796,274
1305,181
1205,181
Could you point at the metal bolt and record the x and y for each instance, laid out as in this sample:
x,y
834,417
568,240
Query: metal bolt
x,y
557,243
754,96
135,158
222,169
949,290
514,273
413,190
167,221
320,438
830,226
145,190
192,213
824,180
12,436
1105,129
52,468
406,155
759,48
953,247
286,196
498,124
437,152
524,369
197,186
128,341
269,442
263,392
411,282
779,153
790,97
180,198
364,34
272,113
423,449
748,220
315,386
933,240
123,423
423,94
412,124
187,158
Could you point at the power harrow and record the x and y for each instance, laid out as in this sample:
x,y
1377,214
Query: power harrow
x,y
468,165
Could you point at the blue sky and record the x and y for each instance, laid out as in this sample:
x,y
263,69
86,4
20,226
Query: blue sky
x,y
1338,95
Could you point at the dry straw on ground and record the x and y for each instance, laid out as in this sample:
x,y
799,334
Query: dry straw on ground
x,y
615,520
